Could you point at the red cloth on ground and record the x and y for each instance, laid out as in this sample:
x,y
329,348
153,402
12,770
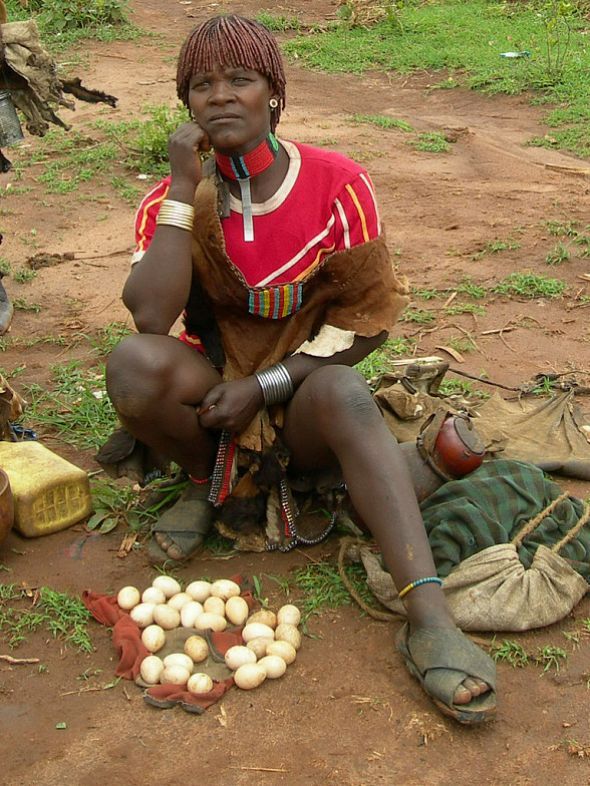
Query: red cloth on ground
x,y
126,632
127,641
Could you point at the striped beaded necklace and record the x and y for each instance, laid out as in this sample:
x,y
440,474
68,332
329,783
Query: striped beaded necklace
x,y
243,169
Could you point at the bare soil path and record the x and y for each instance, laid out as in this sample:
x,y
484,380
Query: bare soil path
x,y
348,714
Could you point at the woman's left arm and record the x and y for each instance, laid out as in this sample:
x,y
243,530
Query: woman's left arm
x,y
232,405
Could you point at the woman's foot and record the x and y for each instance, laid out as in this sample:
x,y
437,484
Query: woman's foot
x,y
182,529
457,675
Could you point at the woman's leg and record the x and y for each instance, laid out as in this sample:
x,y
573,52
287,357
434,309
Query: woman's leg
x,y
156,383
333,418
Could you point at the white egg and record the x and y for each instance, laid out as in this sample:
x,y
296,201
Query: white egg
x,y
153,638
213,622
179,600
258,646
199,590
236,610
256,630
224,589
128,597
179,659
196,648
153,595
265,616
151,669
167,584
214,606
200,683
288,633
283,649
143,614
274,666
174,675
189,613
237,656
249,676
289,615
167,617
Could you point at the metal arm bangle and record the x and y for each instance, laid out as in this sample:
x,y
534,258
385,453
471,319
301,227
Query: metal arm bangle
x,y
276,384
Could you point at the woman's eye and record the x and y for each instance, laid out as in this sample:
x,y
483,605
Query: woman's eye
x,y
240,80
199,85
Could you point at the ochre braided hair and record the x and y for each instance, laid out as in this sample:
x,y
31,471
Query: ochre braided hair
x,y
232,41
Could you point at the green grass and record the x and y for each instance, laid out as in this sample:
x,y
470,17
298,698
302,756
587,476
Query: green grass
x,y
418,316
430,142
496,246
76,409
21,304
562,229
510,652
324,588
379,361
5,267
450,386
108,337
278,23
24,275
425,294
63,23
463,344
529,285
465,38
468,288
465,308
61,615
383,121
558,255
116,505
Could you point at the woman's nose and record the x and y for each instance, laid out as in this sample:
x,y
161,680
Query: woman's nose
x,y
220,92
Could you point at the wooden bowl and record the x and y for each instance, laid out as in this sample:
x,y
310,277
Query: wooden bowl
x,y
6,506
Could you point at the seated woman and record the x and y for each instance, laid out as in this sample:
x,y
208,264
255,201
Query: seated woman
x,y
274,252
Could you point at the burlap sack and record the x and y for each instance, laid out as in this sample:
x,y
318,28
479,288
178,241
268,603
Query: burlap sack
x,y
493,591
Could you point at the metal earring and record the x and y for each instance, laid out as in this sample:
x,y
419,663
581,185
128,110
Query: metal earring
x,y
273,103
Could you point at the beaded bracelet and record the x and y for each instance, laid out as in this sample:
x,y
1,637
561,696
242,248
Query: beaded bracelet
x,y
418,583
276,384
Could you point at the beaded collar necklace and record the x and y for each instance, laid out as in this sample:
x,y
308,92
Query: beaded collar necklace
x,y
242,169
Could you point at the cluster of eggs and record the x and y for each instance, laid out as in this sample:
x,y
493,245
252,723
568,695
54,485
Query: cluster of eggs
x,y
270,640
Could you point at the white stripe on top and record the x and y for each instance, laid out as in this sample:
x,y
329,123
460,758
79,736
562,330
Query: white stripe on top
x,y
369,185
320,236
344,221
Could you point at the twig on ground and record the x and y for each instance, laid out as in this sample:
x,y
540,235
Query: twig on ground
x,y
485,381
19,661
260,769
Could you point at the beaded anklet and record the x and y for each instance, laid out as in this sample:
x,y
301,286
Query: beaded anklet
x,y
418,583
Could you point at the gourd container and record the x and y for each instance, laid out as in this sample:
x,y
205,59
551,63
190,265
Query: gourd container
x,y
49,492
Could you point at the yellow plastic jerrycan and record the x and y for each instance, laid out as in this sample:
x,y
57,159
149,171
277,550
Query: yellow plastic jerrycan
x,y
49,493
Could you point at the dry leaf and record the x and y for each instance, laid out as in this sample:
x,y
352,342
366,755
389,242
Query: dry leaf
x,y
453,353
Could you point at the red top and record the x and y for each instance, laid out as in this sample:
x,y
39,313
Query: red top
x,y
326,204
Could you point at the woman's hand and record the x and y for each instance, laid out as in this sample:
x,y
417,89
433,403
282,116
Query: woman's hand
x,y
184,146
231,405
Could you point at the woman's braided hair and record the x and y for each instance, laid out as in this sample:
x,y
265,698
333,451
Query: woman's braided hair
x,y
232,41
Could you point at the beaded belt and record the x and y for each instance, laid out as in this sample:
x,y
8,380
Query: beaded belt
x,y
275,302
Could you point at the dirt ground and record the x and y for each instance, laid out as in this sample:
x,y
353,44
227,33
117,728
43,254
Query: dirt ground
x,y
347,713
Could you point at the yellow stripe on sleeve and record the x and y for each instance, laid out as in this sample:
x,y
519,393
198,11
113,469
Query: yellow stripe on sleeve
x,y
149,205
357,204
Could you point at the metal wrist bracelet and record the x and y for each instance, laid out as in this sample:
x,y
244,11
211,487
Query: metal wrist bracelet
x,y
276,384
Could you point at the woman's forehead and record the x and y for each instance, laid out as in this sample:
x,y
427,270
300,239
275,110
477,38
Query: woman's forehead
x,y
208,69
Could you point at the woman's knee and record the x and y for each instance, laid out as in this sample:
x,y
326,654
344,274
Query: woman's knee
x,y
337,392
136,374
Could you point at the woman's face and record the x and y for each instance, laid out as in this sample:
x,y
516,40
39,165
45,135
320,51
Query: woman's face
x,y
231,106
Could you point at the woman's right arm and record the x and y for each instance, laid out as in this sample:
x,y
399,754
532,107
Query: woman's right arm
x,y
158,286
